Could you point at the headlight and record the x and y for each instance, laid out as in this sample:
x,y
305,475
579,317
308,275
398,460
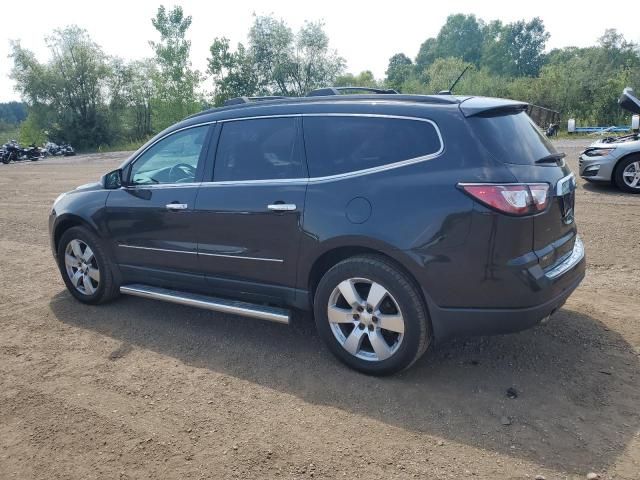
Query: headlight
x,y
598,152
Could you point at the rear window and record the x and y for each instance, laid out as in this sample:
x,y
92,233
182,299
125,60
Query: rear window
x,y
512,138
337,144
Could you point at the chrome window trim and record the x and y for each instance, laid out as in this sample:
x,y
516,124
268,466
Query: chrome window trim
x,y
169,250
338,176
147,186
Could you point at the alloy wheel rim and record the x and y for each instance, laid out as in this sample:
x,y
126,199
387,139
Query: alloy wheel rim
x,y
631,175
365,319
82,267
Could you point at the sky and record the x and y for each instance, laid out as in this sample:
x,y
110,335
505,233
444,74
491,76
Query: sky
x,y
366,34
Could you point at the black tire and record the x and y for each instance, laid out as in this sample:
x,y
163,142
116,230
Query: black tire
x,y
402,291
618,179
6,160
107,288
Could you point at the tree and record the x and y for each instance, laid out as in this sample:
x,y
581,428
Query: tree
x,y
443,72
67,93
460,37
399,70
13,112
515,49
232,72
175,82
363,79
426,55
275,62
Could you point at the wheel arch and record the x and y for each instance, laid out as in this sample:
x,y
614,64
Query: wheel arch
x,y
615,168
337,253
68,221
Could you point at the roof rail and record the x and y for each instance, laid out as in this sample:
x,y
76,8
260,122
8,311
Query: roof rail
x,y
336,91
240,100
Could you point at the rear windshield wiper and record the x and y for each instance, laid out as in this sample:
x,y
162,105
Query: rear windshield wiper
x,y
552,157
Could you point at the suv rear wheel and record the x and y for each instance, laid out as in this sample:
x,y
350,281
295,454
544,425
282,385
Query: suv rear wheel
x,y
371,316
84,266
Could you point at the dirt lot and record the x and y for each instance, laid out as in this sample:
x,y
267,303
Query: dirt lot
x,y
142,389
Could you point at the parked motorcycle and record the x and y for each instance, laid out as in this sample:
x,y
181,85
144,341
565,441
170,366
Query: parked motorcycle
x,y
67,150
55,150
31,152
11,152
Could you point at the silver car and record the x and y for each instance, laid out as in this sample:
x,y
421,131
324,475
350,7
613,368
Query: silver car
x,y
615,159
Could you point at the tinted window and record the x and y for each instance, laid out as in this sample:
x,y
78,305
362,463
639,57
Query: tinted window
x,y
337,144
512,138
260,149
173,159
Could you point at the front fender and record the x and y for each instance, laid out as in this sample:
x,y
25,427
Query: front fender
x,y
78,207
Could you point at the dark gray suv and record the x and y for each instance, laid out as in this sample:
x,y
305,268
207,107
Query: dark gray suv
x,y
396,219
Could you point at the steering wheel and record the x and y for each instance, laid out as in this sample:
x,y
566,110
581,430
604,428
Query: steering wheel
x,y
187,171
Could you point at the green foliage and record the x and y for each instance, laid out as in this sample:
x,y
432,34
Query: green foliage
x,y
515,49
92,100
400,69
509,61
31,131
8,132
67,92
363,79
13,112
276,61
175,82
461,37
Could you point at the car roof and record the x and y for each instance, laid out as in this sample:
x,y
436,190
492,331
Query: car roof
x,y
359,103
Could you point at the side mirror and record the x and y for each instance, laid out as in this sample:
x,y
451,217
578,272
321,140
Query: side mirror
x,y
112,180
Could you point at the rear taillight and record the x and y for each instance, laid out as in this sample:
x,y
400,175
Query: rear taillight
x,y
511,198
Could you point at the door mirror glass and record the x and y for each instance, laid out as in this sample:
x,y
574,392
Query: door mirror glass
x,y
112,180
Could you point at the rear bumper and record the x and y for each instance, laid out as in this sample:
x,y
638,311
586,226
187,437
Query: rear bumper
x,y
560,282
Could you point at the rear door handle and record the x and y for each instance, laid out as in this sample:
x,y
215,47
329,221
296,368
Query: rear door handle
x,y
177,206
282,207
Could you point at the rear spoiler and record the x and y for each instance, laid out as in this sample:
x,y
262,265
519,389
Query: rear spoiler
x,y
475,106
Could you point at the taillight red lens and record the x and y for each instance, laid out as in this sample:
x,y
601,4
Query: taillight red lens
x,y
514,199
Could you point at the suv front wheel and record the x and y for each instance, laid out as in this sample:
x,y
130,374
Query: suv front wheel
x,y
85,267
371,316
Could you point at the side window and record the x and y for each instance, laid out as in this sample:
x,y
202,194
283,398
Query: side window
x,y
337,144
259,149
174,159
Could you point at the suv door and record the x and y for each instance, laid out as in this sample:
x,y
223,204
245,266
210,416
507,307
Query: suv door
x,y
151,217
250,215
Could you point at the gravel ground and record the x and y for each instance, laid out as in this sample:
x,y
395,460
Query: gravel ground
x,y
143,389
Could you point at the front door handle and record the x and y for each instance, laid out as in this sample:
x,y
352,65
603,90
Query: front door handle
x,y
282,207
177,206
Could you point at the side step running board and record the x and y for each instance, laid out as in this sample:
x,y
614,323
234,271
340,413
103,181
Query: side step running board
x,y
261,312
